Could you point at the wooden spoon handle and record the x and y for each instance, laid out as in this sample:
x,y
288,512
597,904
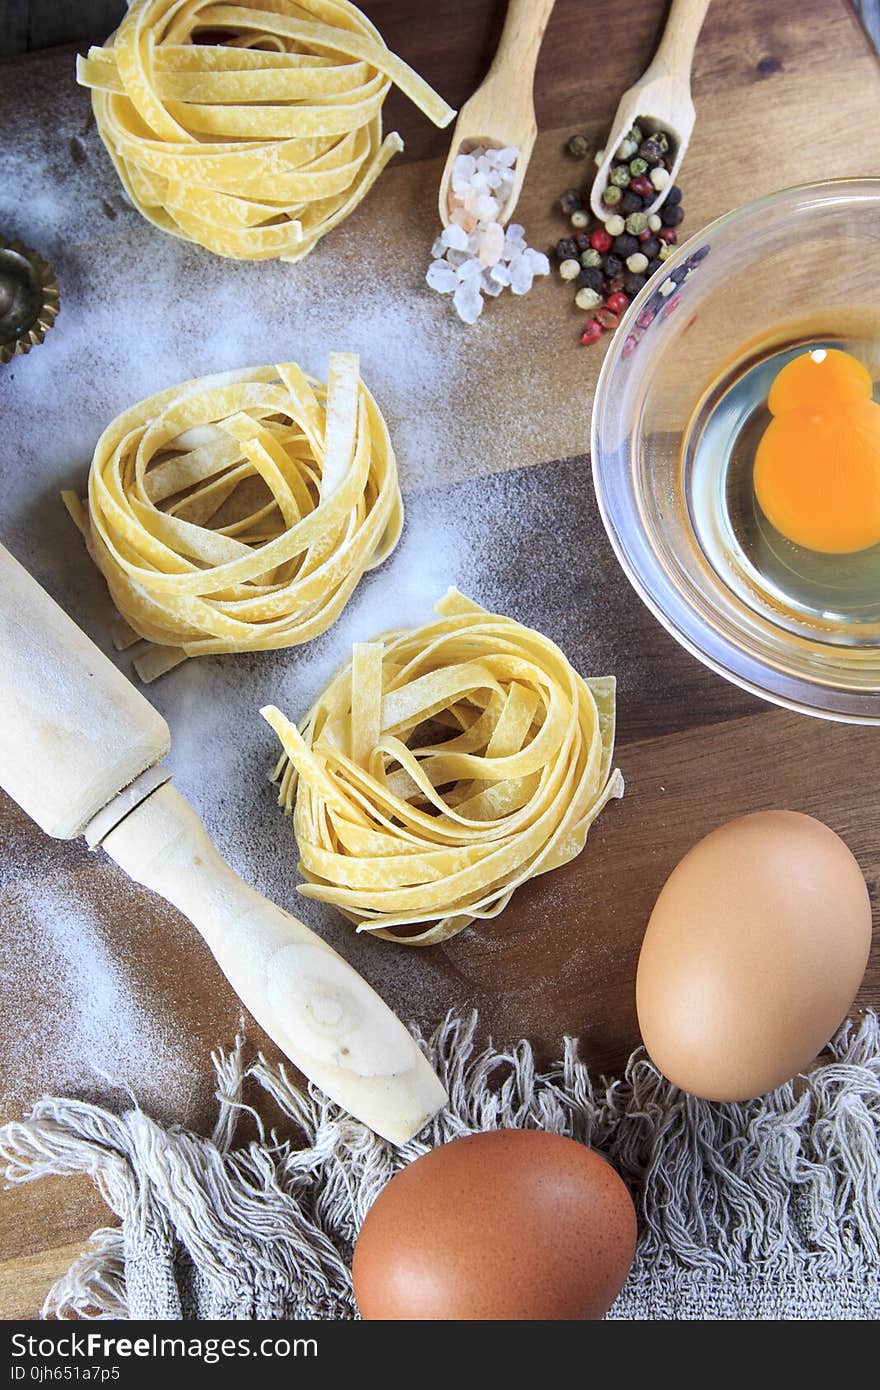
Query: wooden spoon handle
x,y
517,54
310,1001
675,55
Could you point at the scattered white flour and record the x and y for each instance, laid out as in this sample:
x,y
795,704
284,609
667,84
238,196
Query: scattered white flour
x,y
141,310
72,1016
498,539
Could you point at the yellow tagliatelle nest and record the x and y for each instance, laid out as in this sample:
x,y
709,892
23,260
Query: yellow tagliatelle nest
x,y
442,768
252,129
236,513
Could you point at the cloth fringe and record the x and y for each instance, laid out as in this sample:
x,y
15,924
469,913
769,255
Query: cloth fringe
x,y
764,1209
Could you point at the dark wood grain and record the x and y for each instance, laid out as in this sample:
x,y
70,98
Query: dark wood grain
x,y
14,28
593,51
694,750
29,25
581,934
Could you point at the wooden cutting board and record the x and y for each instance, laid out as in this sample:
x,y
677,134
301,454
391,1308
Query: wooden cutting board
x,y
784,94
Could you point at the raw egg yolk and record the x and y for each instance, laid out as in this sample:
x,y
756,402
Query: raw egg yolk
x,y
823,379
817,468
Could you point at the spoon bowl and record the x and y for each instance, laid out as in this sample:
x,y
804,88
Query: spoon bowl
x,y
661,99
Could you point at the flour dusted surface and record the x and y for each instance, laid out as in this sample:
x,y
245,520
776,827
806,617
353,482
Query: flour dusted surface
x,y
103,986
80,991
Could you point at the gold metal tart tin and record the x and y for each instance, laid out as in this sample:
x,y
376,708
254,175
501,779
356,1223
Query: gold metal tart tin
x,y
29,300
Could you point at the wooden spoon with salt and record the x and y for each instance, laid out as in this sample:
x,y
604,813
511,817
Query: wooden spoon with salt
x,y
661,97
501,112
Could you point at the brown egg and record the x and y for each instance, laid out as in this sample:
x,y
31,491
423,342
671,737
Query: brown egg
x,y
755,949
510,1224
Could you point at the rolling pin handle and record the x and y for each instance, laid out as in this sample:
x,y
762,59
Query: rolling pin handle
x,y
309,1000
124,803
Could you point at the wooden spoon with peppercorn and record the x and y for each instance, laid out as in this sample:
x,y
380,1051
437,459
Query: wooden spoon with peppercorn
x,y
501,112
659,109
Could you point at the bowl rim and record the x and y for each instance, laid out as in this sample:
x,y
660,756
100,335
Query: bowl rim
x,y
748,672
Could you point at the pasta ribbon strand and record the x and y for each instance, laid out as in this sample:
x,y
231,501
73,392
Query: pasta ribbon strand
x,y
237,513
442,768
251,129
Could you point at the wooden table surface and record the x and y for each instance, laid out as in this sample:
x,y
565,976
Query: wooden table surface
x,y
784,93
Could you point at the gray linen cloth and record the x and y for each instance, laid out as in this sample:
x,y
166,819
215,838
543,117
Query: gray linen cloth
x,y
769,1209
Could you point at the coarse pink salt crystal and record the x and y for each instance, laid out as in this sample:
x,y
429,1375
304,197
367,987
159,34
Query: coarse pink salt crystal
x,y
492,244
462,218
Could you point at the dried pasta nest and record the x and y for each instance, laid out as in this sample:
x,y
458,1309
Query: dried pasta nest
x,y
443,767
236,513
251,129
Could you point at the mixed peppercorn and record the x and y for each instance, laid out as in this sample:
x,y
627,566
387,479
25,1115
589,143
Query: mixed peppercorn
x,y
609,262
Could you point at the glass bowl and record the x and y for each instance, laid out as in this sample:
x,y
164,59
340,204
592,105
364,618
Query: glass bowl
x,y
685,378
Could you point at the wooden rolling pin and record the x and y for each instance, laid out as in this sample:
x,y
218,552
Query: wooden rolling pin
x,y
80,751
